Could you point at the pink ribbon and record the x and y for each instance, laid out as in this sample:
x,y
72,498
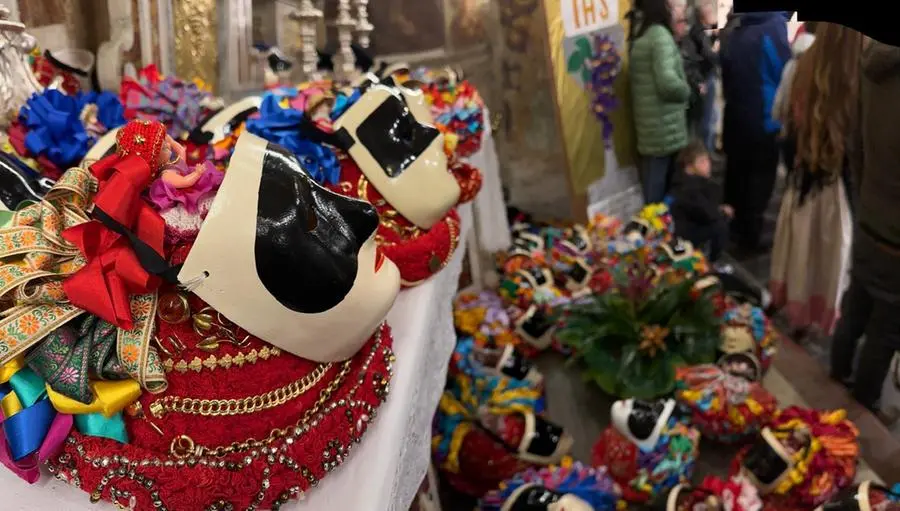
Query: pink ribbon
x,y
29,468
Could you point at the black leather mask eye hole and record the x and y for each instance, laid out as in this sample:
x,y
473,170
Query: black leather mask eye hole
x,y
394,137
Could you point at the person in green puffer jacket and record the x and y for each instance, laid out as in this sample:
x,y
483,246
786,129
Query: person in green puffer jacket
x,y
660,92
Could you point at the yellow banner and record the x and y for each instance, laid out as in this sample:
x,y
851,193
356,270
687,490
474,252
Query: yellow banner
x,y
581,131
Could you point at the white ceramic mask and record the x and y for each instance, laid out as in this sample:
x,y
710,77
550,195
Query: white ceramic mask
x,y
400,155
289,261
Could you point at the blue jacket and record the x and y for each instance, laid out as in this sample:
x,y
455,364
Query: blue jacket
x,y
756,53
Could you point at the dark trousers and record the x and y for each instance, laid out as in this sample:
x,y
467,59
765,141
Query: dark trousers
x,y
863,313
656,176
714,234
750,172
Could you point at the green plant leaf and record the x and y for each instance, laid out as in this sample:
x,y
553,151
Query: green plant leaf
x,y
608,383
584,47
645,377
576,61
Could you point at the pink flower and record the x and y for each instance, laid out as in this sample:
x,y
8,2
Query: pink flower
x,y
69,375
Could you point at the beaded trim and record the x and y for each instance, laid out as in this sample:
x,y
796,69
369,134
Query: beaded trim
x,y
120,467
212,362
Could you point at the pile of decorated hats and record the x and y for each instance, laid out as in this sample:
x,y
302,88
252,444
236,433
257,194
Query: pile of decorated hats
x,y
163,351
646,317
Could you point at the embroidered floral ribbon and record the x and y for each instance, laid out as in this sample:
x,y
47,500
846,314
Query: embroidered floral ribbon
x,y
69,354
34,258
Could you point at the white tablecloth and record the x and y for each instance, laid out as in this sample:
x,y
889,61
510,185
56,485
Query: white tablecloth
x,y
491,225
386,468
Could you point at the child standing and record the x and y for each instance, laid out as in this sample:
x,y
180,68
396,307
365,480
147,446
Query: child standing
x,y
700,217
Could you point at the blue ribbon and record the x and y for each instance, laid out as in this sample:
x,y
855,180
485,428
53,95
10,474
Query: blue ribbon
x,y
26,429
281,126
55,129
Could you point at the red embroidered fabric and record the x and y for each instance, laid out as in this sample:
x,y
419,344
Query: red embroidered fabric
x,y
263,476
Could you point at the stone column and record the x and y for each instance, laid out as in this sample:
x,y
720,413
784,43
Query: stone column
x,y
308,17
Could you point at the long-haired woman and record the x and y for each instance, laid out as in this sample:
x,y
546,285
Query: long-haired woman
x,y
659,90
813,235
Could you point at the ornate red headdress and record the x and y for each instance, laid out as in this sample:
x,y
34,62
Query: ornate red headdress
x,y
144,139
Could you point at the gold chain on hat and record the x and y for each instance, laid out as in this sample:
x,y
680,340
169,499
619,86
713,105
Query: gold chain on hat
x,y
242,406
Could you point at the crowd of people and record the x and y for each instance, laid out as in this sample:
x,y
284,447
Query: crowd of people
x,y
820,105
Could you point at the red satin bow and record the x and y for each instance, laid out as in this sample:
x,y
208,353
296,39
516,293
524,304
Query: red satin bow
x,y
113,273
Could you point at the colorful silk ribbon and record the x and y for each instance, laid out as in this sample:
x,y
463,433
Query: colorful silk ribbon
x,y
54,127
465,398
280,125
35,422
180,105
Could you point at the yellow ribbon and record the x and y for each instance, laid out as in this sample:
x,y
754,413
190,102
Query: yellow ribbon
x,y
110,398
11,368
10,405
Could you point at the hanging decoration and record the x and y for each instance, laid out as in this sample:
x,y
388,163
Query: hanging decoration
x,y
604,66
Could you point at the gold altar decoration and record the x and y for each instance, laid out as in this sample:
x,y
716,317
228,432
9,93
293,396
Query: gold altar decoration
x,y
196,44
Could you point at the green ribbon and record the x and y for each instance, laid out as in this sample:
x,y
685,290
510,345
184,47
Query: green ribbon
x,y
73,353
30,387
95,424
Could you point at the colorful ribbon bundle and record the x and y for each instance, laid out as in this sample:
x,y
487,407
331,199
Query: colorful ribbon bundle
x,y
724,407
57,373
659,229
465,398
592,485
458,112
735,494
821,467
52,128
281,126
463,360
484,317
605,65
645,474
181,106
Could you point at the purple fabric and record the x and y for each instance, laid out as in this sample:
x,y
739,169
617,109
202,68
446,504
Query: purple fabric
x,y
166,196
